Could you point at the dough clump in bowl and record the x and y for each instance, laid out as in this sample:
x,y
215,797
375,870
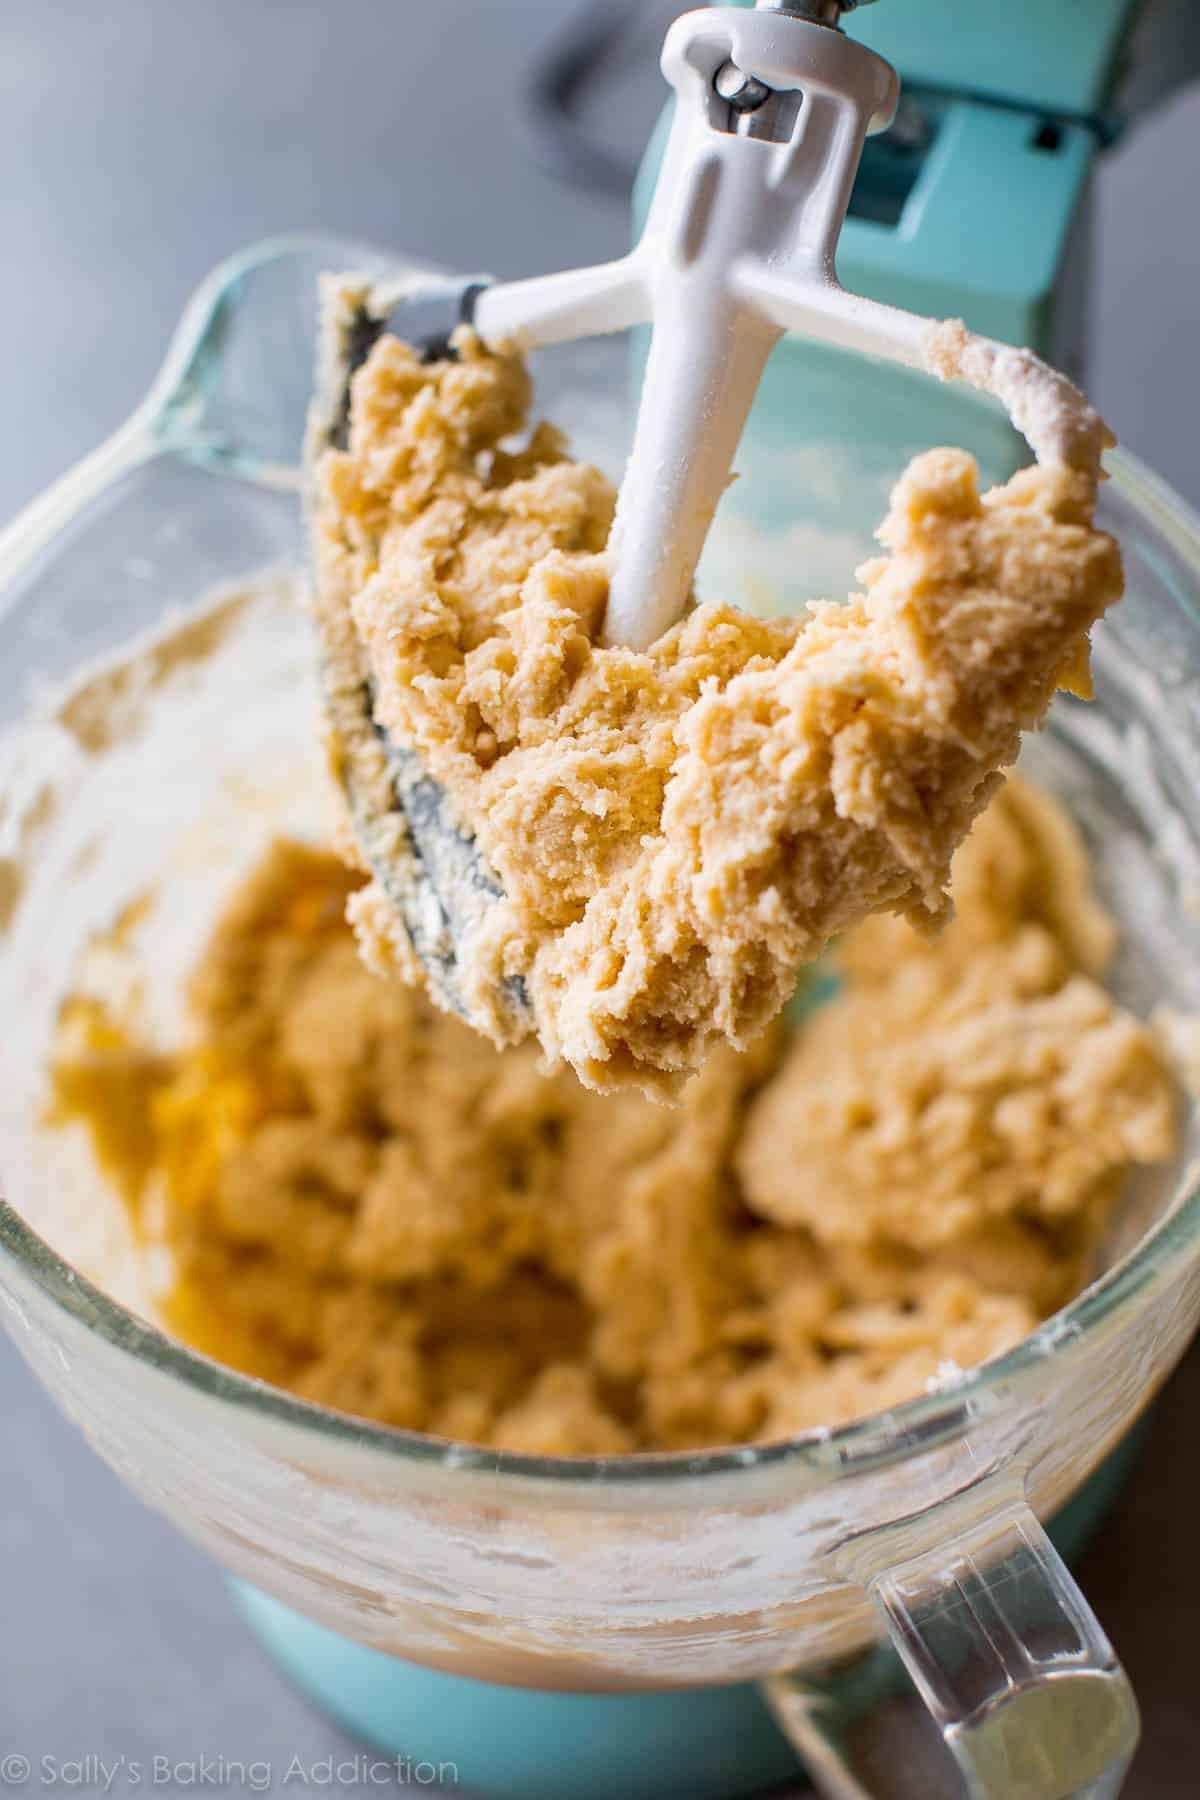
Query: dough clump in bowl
x,y
655,844
360,1199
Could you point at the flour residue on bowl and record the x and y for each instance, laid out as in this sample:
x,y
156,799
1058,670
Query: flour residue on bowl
x,y
159,774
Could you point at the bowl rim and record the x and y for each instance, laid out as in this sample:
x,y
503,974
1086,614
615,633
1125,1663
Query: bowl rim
x,y
824,1453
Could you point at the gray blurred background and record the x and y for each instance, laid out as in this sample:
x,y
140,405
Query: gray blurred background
x,y
140,142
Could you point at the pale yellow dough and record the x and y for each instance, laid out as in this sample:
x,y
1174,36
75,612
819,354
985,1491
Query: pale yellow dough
x,y
676,833
370,1205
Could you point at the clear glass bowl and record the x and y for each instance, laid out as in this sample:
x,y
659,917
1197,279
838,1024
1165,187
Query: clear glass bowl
x,y
776,1564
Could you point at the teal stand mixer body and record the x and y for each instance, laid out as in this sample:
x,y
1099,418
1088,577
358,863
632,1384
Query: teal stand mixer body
x,y
974,205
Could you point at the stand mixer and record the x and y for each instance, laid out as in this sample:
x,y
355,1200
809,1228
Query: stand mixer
x,y
442,1554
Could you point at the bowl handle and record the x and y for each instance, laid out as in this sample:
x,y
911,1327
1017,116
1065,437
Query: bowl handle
x,y
25,537
1017,1674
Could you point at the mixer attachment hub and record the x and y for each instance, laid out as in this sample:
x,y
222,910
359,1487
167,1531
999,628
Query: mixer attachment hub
x,y
814,12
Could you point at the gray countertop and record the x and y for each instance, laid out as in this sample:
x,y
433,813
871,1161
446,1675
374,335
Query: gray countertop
x,y
139,143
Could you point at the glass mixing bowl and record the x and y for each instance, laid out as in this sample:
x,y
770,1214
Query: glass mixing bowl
x,y
780,1564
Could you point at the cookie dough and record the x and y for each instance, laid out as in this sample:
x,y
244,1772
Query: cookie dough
x,y
358,1198
647,848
